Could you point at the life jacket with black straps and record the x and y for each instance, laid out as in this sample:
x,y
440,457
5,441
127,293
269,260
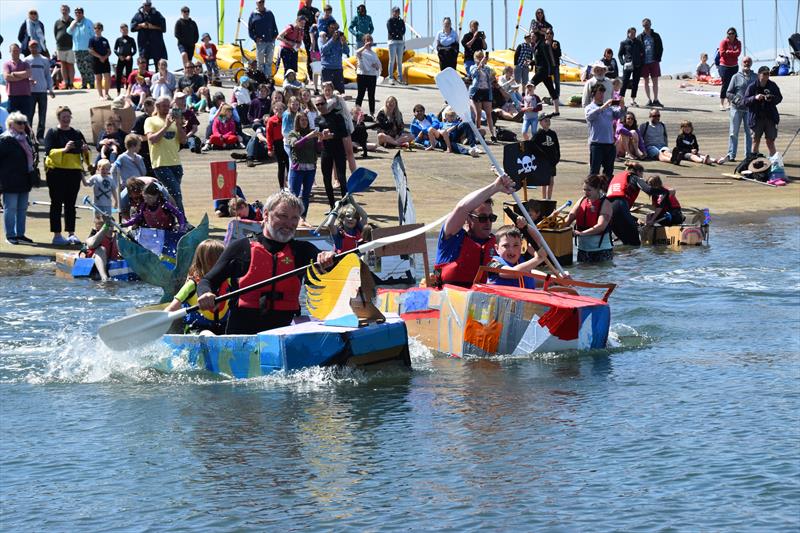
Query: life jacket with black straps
x,y
281,295
214,319
347,241
587,216
471,257
620,187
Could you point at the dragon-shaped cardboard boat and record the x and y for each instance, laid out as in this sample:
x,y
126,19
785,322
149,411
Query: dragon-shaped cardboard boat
x,y
344,329
494,319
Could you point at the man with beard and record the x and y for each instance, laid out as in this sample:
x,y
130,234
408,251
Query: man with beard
x,y
249,260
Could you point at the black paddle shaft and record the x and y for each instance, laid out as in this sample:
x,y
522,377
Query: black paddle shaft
x,y
263,283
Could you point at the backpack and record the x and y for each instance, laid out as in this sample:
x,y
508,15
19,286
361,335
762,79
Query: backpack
x,y
506,135
717,58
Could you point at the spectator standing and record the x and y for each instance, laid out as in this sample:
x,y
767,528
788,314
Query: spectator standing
x,y
305,147
544,66
480,91
16,153
263,31
64,178
361,25
148,106
334,44
598,76
729,50
64,51
208,53
332,130
472,41
326,19
17,74
150,26
32,30
367,72
762,98
101,51
165,135
612,67
523,56
539,23
42,86
187,35
291,38
555,59
651,66
125,49
600,118
396,29
735,93
446,44
309,16
81,30
631,55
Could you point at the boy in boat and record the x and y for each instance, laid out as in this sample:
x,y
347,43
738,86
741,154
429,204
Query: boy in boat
x,y
509,254
102,244
666,207
466,242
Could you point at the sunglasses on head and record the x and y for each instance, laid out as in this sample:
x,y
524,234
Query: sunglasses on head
x,y
484,218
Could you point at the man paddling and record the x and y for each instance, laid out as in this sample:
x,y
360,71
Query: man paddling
x,y
247,261
466,242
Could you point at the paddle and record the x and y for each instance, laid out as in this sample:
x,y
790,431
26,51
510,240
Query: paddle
x,y
455,93
359,181
136,330
109,218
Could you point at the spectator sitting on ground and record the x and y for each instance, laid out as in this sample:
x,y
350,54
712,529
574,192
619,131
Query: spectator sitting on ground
x,y
241,98
426,129
703,70
654,135
223,130
456,131
391,127
360,136
629,142
291,85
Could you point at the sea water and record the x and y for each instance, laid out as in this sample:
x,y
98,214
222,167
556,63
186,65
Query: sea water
x,y
688,421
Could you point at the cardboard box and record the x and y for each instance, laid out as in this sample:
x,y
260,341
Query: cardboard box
x,y
99,114
685,235
559,241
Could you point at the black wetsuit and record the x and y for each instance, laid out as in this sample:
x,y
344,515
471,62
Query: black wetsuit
x,y
233,264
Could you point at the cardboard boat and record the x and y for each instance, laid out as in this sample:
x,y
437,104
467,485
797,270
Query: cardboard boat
x,y
492,319
73,265
307,344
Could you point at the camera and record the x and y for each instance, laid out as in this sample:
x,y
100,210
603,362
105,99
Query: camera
x,y
176,113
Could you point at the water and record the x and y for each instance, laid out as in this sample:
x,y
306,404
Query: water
x,y
688,422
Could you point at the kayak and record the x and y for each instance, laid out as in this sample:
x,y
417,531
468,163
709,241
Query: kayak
x,y
302,345
488,320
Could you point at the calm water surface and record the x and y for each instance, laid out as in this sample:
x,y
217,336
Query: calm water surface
x,y
690,421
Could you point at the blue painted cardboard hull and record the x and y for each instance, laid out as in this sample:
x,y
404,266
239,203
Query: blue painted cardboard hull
x,y
297,346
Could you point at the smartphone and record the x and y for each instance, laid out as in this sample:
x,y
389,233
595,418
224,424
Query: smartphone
x,y
614,102
176,113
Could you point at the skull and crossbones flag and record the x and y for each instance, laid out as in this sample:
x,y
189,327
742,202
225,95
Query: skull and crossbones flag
x,y
521,163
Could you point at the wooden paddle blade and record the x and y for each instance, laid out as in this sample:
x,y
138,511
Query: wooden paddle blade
x,y
455,93
136,330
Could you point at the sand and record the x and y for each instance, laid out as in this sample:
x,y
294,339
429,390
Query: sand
x,y
438,180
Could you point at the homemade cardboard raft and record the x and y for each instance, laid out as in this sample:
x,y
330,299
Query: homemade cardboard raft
x,y
675,236
559,240
72,265
493,319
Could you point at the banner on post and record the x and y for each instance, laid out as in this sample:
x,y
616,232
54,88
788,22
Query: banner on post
x,y
223,180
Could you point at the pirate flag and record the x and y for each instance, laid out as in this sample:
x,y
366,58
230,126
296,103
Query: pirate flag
x,y
520,163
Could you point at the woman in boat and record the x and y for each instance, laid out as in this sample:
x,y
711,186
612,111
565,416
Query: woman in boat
x,y
157,212
101,245
592,216
347,230
214,320
666,207
622,193
466,242
508,250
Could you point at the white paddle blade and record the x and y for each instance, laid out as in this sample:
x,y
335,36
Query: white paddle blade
x,y
391,239
137,330
419,42
455,93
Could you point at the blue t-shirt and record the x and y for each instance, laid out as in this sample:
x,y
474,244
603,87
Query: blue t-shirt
x,y
99,45
649,48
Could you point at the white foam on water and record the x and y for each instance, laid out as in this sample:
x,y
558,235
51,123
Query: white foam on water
x,y
750,279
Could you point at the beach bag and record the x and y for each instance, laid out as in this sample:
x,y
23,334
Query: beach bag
x,y
505,135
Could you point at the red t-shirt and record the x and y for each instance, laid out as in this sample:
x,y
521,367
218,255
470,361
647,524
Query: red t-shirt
x,y
132,78
274,132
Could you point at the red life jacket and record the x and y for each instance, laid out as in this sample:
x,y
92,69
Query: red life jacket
x,y
279,296
471,257
621,188
588,213
158,218
672,202
110,244
348,241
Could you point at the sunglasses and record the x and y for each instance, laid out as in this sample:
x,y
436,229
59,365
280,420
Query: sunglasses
x,y
484,218
21,122
655,116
